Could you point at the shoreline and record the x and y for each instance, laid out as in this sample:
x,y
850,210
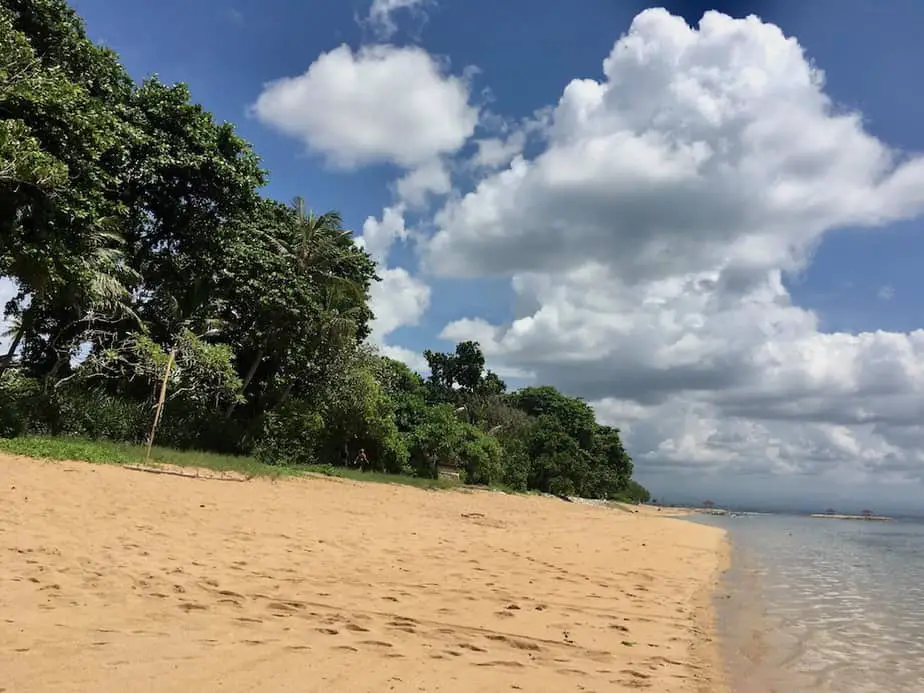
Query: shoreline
x,y
176,583
755,648
712,654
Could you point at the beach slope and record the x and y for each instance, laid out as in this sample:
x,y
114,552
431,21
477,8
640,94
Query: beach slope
x,y
117,580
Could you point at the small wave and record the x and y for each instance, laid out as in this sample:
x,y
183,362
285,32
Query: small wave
x,y
822,609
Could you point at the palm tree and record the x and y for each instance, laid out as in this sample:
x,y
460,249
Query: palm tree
x,y
321,251
91,282
320,241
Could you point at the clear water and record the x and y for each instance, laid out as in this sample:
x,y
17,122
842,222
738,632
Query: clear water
x,y
823,606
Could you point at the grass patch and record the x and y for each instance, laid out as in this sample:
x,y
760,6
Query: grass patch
x,y
380,477
109,452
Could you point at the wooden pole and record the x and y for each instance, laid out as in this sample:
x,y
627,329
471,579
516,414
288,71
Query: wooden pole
x,y
160,403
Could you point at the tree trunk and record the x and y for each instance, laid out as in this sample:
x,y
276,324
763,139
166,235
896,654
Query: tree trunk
x,y
53,373
251,372
284,396
160,404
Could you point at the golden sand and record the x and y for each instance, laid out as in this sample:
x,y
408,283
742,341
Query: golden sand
x,y
116,580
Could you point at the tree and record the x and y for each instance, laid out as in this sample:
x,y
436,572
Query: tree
x,y
435,441
359,415
193,374
406,390
133,226
59,138
613,468
573,416
461,377
481,457
635,492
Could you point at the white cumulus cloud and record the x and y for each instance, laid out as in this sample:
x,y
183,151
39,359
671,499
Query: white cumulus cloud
x,y
648,243
399,299
700,148
379,104
379,235
430,178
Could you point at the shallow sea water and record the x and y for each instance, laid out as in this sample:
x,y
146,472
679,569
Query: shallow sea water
x,y
823,606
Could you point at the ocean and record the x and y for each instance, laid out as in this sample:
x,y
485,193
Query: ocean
x,y
823,606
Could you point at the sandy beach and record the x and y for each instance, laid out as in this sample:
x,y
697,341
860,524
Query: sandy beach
x,y
118,580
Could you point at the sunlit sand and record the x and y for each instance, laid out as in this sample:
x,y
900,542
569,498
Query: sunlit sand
x,y
116,580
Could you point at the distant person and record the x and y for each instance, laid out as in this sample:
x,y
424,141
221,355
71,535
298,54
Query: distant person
x,y
361,460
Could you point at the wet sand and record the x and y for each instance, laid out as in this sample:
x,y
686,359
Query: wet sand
x,y
117,580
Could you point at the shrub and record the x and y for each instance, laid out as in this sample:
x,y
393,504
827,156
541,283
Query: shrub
x,y
480,457
19,396
290,435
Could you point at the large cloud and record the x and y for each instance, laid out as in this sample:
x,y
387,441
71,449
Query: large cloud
x,y
700,149
379,104
399,299
648,244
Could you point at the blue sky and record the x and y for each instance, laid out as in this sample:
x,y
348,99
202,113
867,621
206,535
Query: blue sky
x,y
755,386
526,52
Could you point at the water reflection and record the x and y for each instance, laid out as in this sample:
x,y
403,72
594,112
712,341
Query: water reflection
x,y
824,606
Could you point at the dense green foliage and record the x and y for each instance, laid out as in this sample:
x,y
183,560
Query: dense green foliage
x,y
133,225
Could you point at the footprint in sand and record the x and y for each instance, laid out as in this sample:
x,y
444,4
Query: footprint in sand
x,y
282,607
469,646
192,606
408,625
376,643
635,674
517,644
571,672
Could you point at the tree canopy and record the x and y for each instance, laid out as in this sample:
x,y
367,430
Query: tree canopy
x,y
145,256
